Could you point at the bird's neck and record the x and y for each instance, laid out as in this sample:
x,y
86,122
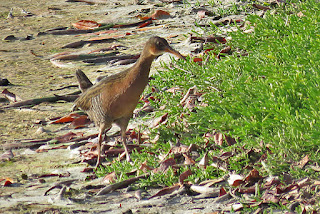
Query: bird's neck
x,y
142,66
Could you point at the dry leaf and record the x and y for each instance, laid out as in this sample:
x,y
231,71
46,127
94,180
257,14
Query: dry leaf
x,y
165,165
160,14
218,139
270,196
86,25
66,119
204,161
145,24
226,155
253,177
230,141
224,51
197,59
7,183
144,167
205,190
180,149
222,192
167,190
11,96
235,180
173,90
303,162
184,176
212,182
80,122
157,121
300,14
110,178
260,7
67,137
220,164
188,160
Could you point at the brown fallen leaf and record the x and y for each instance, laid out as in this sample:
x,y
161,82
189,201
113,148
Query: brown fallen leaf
x,y
218,138
145,24
272,181
66,119
224,156
230,141
253,177
179,149
144,167
184,176
166,190
80,122
132,24
110,178
303,162
270,196
159,120
209,183
67,137
260,7
249,190
165,165
225,50
11,96
7,183
160,14
121,184
222,192
214,192
215,39
86,25
188,160
235,180
219,163
204,161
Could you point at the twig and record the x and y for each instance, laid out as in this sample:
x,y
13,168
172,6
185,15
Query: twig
x,y
55,98
121,184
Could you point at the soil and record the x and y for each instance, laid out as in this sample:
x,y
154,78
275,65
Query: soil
x,y
25,62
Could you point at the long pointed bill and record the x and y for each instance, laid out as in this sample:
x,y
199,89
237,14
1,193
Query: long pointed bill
x,y
174,52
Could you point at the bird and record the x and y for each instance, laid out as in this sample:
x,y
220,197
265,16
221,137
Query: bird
x,y
113,99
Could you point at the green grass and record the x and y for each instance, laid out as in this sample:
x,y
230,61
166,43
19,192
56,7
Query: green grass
x,y
271,95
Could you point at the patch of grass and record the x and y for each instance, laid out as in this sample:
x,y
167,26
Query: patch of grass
x,y
268,100
271,95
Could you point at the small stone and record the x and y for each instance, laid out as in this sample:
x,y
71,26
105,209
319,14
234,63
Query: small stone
x,y
24,176
4,82
41,130
10,38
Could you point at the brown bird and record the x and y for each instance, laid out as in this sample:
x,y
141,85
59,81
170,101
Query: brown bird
x,y
114,98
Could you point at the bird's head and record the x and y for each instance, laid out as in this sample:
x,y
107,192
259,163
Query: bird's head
x,y
157,46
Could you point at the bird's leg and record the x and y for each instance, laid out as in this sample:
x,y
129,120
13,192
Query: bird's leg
x,y
124,137
123,123
99,147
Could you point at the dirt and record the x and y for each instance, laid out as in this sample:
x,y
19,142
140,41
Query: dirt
x,y
26,64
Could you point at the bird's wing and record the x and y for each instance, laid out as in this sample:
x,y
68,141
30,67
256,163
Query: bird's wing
x,y
85,100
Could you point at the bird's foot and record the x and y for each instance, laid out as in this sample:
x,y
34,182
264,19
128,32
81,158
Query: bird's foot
x,y
99,163
129,159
